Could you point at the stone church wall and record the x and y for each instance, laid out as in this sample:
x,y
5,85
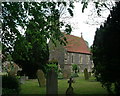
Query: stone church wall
x,y
66,59
82,60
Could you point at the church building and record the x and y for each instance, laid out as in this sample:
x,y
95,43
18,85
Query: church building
x,y
76,51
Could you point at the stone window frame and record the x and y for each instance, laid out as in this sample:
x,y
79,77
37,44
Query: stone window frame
x,y
72,58
81,58
66,56
87,59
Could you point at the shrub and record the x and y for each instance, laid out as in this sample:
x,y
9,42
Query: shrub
x,y
60,75
75,68
10,85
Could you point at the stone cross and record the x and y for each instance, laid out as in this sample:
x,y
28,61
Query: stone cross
x,y
69,91
70,81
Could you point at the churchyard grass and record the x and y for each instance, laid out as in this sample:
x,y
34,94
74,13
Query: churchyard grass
x,y
32,87
81,86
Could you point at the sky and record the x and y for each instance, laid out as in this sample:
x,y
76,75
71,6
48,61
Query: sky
x,y
79,22
85,23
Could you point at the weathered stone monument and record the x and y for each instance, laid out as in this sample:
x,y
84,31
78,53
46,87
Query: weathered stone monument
x,y
69,91
41,78
52,82
86,74
22,79
11,68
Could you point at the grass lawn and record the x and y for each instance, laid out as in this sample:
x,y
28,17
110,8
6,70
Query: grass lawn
x,y
80,86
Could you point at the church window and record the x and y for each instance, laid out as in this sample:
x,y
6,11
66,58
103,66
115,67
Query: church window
x,y
87,59
81,59
72,58
66,56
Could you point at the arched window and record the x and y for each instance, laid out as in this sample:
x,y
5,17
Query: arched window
x,y
81,59
87,59
72,58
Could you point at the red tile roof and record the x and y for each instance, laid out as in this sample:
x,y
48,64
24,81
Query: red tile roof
x,y
76,44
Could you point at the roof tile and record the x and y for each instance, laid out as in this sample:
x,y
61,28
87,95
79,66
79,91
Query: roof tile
x,y
76,44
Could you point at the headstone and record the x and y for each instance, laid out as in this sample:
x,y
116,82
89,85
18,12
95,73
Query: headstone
x,y
22,79
69,91
11,68
41,78
86,74
66,73
52,82
26,78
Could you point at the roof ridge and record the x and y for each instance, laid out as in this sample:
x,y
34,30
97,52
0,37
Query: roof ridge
x,y
76,44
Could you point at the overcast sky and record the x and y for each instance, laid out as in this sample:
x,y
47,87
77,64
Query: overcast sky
x,y
79,22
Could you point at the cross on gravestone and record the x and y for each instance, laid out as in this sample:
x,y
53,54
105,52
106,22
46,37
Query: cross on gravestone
x,y
70,81
69,91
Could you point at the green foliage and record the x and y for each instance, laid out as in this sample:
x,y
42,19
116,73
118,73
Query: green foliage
x,y
42,18
74,75
81,86
86,74
60,75
6,91
106,51
10,67
41,22
85,4
53,61
75,68
10,85
99,4
51,66
31,55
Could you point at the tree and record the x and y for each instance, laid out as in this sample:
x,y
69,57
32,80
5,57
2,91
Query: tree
x,y
98,14
40,21
106,51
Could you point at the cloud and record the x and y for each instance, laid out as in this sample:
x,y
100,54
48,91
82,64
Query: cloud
x,y
78,22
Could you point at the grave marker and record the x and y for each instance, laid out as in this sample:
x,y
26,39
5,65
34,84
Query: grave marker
x,y
52,82
41,78
69,91
86,74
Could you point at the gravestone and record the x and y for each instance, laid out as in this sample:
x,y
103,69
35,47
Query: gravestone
x,y
52,82
26,77
86,74
66,73
69,90
22,79
41,78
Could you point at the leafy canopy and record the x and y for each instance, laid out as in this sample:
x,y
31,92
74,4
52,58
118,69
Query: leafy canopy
x,y
40,22
106,51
